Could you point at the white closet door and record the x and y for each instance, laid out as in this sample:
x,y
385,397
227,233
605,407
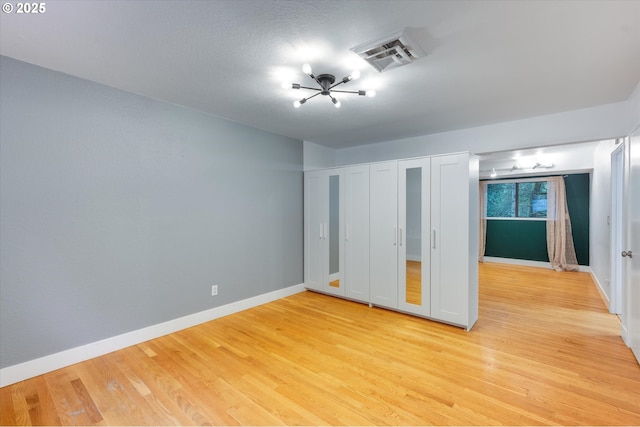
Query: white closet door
x,y
356,232
315,219
384,234
450,238
414,262
334,235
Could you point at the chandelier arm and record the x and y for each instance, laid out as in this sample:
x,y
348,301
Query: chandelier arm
x,y
314,95
357,92
313,76
336,84
311,88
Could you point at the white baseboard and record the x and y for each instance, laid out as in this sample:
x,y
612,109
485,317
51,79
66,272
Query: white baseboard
x,y
600,289
42,365
528,263
624,335
635,349
417,258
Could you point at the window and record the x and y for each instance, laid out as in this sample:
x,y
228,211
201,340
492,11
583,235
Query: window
x,y
521,199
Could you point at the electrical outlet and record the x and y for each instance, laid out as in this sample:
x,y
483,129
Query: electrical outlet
x,y
214,290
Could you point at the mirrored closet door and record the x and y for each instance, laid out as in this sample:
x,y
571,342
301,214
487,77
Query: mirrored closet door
x,y
334,278
413,237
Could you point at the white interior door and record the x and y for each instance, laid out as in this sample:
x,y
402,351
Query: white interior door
x,y
616,260
631,252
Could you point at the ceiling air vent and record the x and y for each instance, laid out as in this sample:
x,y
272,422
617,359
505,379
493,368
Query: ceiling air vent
x,y
392,51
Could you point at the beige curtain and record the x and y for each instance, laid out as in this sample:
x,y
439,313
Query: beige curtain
x,y
483,221
562,253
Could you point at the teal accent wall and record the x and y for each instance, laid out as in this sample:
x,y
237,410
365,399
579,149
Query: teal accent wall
x,y
522,239
517,239
578,191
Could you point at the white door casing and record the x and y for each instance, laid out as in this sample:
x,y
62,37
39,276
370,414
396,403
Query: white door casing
x,y
616,231
631,243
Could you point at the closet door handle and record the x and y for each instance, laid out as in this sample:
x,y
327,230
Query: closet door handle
x,y
400,236
434,238
395,235
346,232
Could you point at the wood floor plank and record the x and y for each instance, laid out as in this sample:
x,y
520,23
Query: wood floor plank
x,y
112,395
21,409
69,407
7,411
194,393
544,351
87,402
163,393
41,406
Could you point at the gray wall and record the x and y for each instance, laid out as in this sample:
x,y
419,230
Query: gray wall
x,y
118,212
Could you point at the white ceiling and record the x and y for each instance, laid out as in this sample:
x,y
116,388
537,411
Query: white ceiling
x,y
488,62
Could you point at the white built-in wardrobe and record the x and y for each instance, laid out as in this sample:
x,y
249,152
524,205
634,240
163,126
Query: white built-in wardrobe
x,y
401,234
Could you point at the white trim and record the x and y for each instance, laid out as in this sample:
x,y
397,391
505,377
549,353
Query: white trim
x,y
636,353
529,263
417,258
603,294
485,176
516,218
333,277
616,233
512,180
42,365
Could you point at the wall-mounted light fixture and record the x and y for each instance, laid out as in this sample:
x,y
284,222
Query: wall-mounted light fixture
x,y
539,165
493,172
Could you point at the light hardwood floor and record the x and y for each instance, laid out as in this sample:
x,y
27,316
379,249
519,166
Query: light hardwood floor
x,y
545,351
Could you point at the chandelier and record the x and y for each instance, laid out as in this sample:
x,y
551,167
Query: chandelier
x,y
327,82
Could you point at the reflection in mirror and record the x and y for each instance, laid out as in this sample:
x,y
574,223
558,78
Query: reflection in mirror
x,y
334,231
414,236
